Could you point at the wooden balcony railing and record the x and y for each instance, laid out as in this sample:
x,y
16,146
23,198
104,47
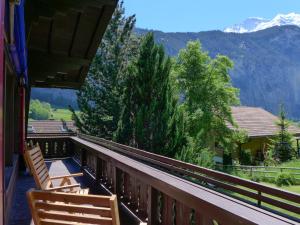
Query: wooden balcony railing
x,y
160,190
53,146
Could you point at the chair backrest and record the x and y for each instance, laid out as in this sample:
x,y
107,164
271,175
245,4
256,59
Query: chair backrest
x,y
67,208
35,160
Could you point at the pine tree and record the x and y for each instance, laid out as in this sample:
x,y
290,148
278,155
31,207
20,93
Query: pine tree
x,y
149,114
99,97
281,145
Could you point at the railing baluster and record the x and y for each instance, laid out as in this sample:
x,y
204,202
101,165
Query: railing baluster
x,y
152,206
143,201
167,210
99,170
83,158
114,178
119,182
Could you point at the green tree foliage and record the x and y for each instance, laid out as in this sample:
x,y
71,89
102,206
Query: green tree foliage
x,y
99,97
39,110
150,119
282,144
208,95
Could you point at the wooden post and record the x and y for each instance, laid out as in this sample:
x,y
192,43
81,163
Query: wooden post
x,y
259,199
22,119
9,121
114,179
298,150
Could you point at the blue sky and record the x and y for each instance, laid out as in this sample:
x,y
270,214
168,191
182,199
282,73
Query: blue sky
x,y
202,15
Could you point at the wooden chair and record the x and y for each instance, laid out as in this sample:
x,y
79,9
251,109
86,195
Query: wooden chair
x,y
35,160
69,208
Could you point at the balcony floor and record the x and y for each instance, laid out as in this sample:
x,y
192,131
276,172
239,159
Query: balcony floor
x,y
20,214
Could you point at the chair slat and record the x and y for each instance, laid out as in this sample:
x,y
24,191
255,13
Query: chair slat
x,y
71,198
83,218
101,211
41,169
39,164
34,151
55,222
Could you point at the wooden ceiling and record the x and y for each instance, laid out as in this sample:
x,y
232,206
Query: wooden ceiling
x,y
62,38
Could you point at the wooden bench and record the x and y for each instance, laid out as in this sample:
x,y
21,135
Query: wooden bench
x,y
69,208
35,160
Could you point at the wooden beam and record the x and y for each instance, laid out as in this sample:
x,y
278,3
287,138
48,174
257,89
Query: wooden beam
x,y
103,20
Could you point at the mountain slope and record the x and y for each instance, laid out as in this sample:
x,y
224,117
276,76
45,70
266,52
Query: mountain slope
x,y
267,63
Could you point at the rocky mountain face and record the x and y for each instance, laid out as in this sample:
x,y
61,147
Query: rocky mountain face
x,y
267,63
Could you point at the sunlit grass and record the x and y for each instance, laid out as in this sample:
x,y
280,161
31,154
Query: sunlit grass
x,y
62,114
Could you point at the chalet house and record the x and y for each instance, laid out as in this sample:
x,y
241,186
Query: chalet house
x,y
260,126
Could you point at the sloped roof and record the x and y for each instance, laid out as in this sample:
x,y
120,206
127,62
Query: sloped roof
x,y
51,127
258,122
63,37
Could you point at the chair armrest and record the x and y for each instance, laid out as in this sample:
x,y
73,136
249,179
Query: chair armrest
x,y
66,176
63,187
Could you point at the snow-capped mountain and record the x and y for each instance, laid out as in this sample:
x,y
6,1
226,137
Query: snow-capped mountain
x,y
256,24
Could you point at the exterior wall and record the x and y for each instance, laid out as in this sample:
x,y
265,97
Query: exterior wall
x,y
2,90
257,147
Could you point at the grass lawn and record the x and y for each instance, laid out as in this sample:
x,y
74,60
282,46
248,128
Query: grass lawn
x,y
293,163
292,188
59,114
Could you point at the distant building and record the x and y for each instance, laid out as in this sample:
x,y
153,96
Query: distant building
x,y
260,126
51,127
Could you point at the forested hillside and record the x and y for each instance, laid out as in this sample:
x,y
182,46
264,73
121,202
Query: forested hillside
x,y
58,98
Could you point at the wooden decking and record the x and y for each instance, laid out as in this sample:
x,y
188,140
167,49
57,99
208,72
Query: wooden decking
x,y
20,214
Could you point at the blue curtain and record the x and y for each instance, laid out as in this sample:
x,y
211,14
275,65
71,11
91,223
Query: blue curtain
x,y
18,49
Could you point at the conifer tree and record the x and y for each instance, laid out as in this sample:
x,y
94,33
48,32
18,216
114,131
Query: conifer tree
x,y
99,97
149,114
281,145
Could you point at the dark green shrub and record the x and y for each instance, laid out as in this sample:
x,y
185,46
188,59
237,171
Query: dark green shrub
x,y
245,157
268,179
285,179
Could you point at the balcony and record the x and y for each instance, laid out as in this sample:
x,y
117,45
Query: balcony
x,y
154,189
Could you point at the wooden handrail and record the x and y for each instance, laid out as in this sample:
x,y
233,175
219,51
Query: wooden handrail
x,y
220,179
211,204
